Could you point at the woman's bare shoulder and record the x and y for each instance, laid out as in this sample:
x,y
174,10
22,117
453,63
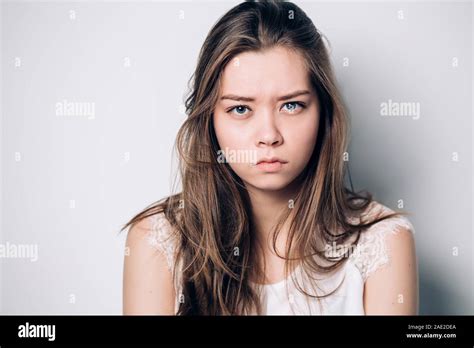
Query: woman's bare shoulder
x,y
377,243
147,283
394,224
156,232
388,264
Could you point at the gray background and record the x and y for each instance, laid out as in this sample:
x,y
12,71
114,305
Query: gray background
x,y
115,164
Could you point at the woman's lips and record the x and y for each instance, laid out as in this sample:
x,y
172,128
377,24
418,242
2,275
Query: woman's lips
x,y
270,167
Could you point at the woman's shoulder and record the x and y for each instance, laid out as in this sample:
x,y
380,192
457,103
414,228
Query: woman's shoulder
x,y
374,246
162,236
377,210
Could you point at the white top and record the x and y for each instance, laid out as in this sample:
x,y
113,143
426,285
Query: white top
x,y
369,255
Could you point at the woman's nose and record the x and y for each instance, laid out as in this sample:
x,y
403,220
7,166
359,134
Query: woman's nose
x,y
268,132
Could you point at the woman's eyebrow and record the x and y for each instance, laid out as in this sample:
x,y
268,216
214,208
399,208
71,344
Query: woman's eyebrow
x,y
250,99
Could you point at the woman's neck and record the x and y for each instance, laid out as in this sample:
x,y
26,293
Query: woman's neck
x,y
266,208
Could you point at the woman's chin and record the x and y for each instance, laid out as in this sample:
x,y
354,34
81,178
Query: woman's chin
x,y
268,184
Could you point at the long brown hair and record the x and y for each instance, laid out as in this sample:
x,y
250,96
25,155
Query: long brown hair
x,y
211,214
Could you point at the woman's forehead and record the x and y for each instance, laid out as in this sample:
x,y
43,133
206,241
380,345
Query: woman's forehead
x,y
274,72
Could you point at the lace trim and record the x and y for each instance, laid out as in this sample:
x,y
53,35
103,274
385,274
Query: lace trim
x,y
372,251
370,254
161,238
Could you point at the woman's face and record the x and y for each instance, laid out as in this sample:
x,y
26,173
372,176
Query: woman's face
x,y
266,110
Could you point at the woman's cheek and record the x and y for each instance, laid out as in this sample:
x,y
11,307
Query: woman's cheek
x,y
301,143
228,133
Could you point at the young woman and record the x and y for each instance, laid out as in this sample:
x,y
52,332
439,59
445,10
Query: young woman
x,y
275,232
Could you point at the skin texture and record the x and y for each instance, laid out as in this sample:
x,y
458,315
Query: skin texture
x,y
270,127
147,283
393,289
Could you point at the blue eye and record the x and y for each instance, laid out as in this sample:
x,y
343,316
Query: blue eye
x,y
240,108
294,106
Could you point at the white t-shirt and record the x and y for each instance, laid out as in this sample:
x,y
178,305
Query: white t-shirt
x,y
284,298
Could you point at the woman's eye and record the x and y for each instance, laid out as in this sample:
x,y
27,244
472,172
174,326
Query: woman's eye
x,y
239,110
293,106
